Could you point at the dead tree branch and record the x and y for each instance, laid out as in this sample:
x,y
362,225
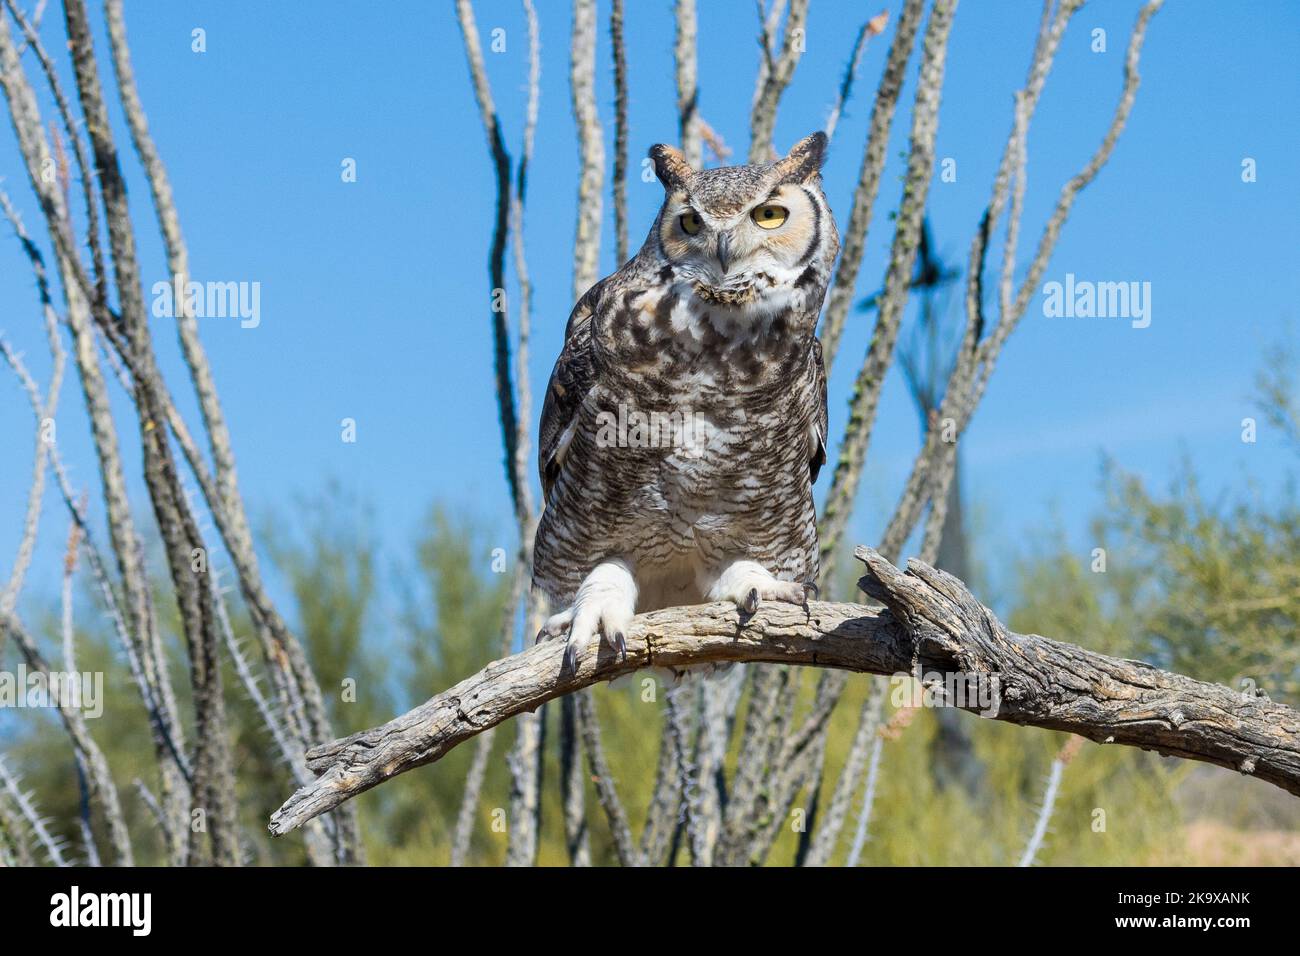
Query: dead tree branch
x,y
665,801
930,625
213,768
619,48
44,420
142,632
873,27
685,73
864,194
497,252
694,132
774,75
91,761
525,759
591,146
297,691
27,810
902,257
604,780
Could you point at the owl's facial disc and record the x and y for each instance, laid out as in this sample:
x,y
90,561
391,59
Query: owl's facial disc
x,y
747,254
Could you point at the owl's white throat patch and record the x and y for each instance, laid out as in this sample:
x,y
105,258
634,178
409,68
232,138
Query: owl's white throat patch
x,y
739,310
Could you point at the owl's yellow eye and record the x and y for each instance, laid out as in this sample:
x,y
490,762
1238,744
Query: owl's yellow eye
x,y
770,216
690,223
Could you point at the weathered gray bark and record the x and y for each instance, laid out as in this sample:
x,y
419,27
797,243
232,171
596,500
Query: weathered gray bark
x,y
298,694
931,624
526,758
142,644
591,147
100,788
661,817
854,239
619,190
688,93
214,787
775,71
870,381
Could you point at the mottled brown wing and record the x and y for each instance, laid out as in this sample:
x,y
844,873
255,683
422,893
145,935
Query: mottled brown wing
x,y
823,422
571,380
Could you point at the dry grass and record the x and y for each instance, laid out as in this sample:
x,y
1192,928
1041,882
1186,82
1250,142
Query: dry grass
x,y
1208,843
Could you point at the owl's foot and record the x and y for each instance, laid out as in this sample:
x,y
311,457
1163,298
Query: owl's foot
x,y
606,603
748,583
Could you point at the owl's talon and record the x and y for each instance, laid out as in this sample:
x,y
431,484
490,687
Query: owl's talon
x,y
603,608
748,584
810,587
556,625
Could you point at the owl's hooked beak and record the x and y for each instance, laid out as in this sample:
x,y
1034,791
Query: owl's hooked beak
x,y
724,252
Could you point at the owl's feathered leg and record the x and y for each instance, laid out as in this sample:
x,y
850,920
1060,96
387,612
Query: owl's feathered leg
x,y
606,602
748,582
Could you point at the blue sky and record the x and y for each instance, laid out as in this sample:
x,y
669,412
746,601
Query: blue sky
x,y
374,293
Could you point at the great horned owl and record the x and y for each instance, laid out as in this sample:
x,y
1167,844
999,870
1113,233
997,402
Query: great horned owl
x,y
685,421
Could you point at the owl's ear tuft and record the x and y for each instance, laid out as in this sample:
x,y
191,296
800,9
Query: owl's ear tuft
x,y
805,159
670,166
